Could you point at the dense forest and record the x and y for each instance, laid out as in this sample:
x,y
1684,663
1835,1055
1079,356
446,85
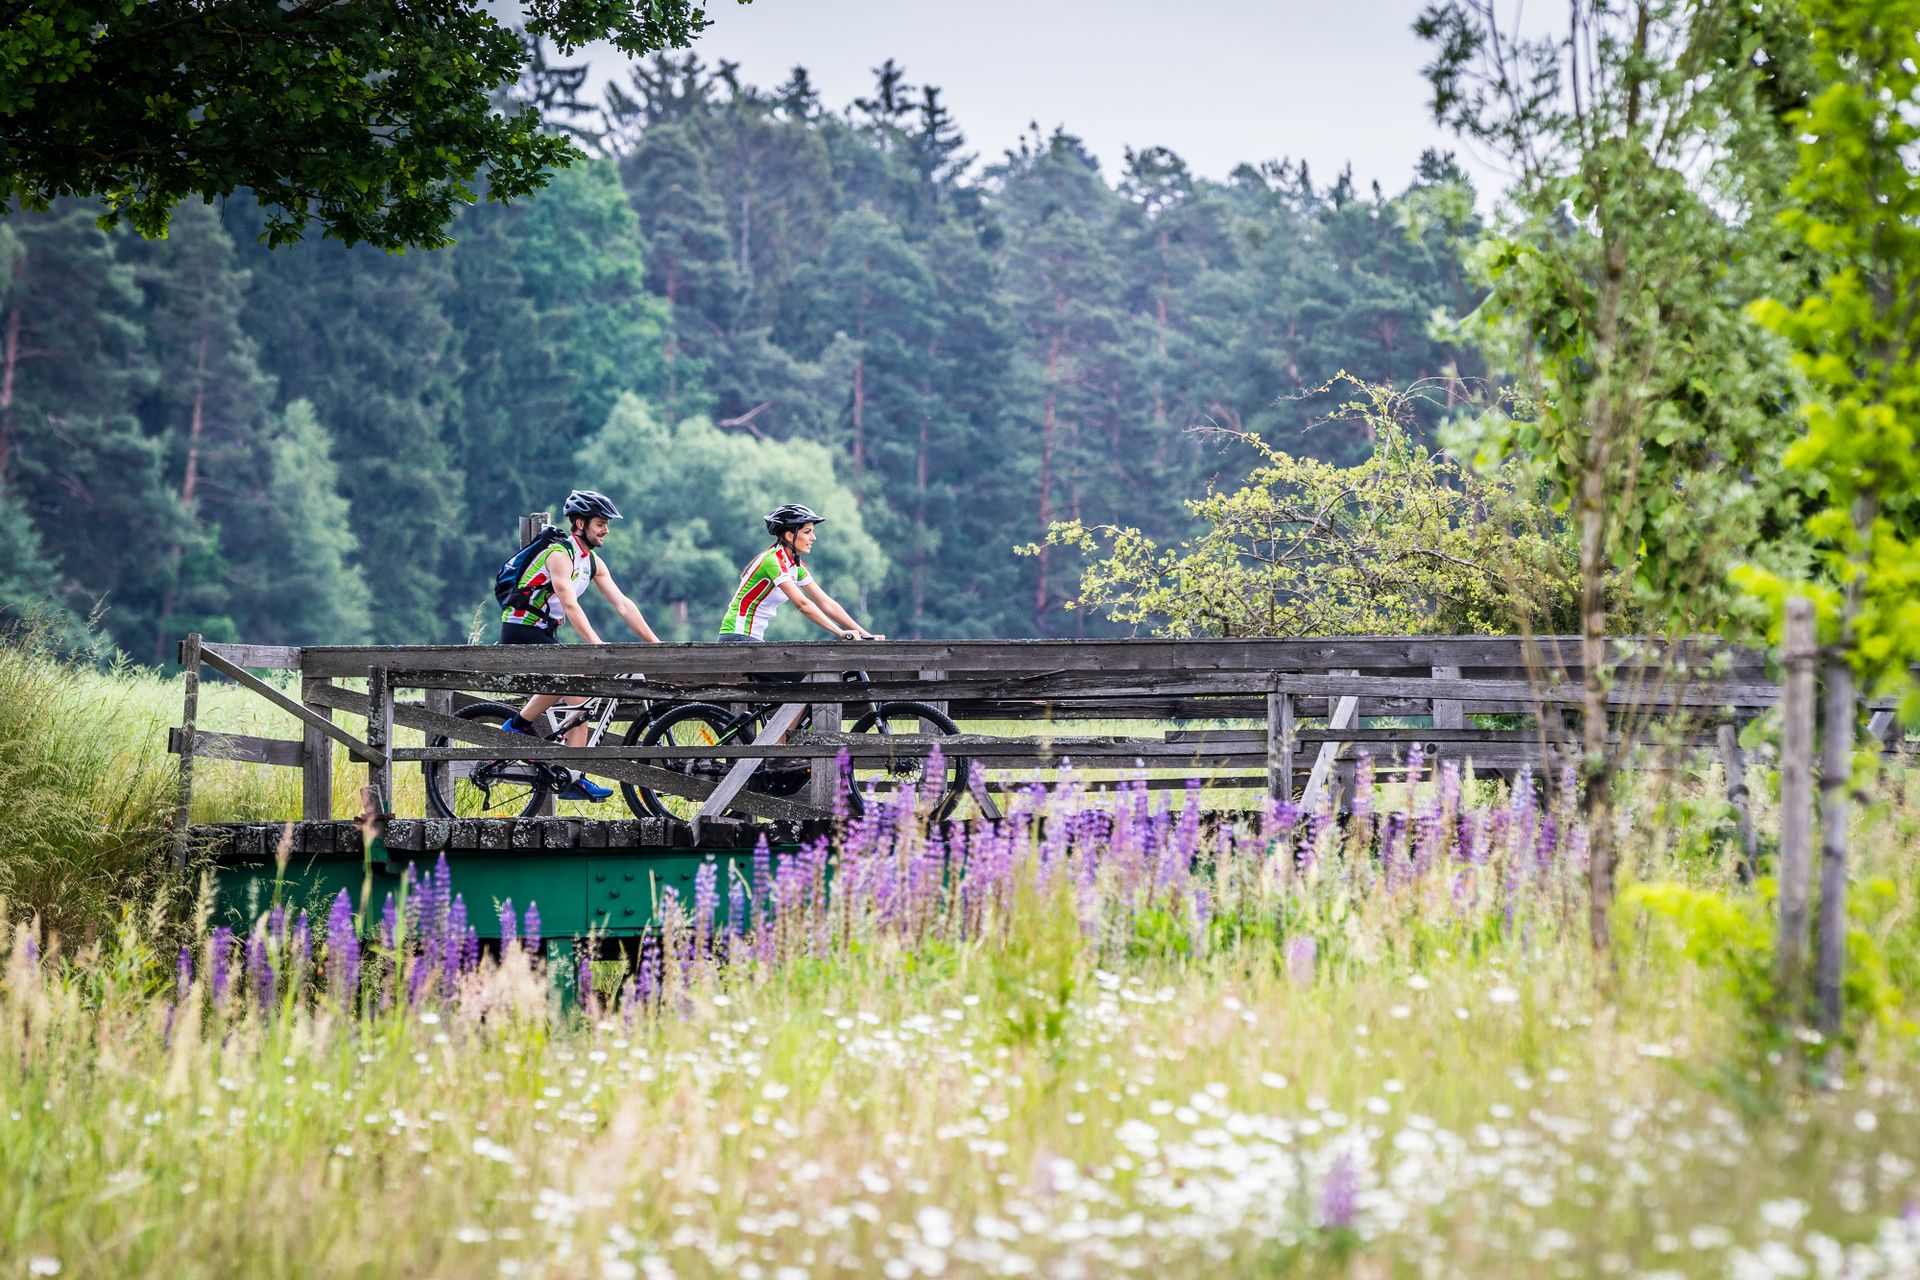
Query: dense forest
x,y
738,298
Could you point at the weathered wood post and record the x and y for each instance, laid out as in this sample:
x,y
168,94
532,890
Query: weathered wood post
x,y
440,702
1280,745
1448,713
1796,797
316,757
380,737
827,718
189,715
1734,761
1836,787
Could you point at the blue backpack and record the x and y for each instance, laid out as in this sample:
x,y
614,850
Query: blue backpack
x,y
506,583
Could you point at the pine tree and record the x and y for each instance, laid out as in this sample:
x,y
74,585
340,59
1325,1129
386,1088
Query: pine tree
x,y
555,323
72,452
305,582
1064,288
365,338
208,404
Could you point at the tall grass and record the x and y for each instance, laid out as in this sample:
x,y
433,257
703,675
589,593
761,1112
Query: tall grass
x,y
1117,1043
85,785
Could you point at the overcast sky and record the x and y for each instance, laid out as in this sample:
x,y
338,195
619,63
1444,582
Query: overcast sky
x,y
1218,81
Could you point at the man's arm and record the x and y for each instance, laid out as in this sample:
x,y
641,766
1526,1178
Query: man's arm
x,y
814,614
560,569
623,605
833,609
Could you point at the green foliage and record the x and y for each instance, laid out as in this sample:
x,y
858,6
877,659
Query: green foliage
x,y
1731,937
1406,542
1650,161
1855,333
697,495
376,120
979,353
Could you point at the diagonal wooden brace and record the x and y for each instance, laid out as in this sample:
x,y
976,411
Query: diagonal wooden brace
x,y
245,678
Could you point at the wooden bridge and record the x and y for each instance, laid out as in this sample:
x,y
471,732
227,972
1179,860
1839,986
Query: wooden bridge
x,y
1283,717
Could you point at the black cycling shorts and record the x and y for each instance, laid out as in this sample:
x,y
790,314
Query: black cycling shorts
x,y
521,633
765,677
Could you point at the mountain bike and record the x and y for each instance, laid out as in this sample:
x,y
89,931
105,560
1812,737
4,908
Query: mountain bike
x,y
705,724
516,788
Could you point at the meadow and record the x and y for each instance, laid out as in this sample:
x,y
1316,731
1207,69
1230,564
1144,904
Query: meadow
x,y
1129,1039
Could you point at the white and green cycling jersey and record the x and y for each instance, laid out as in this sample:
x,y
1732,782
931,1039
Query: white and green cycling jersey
x,y
759,596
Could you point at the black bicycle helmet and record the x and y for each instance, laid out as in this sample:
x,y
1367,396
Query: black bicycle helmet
x,y
586,504
790,517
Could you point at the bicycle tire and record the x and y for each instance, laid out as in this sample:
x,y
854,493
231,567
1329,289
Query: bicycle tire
x,y
932,720
449,795
695,716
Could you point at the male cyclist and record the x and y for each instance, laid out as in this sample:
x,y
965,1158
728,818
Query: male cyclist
x,y
779,573
550,585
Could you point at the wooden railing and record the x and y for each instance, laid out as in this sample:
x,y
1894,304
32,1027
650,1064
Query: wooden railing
x,y
1307,701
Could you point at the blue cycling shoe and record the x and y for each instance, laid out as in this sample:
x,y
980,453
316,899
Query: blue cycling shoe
x,y
507,724
584,790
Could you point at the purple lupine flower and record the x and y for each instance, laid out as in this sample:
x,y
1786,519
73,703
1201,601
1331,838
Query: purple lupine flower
x,y
443,888
1300,952
417,974
762,880
343,951
260,972
932,781
1392,830
1340,1194
532,940
583,983
277,927
1546,842
509,926
389,923
647,981
736,910
470,950
220,955
706,903
453,945
1450,786
183,970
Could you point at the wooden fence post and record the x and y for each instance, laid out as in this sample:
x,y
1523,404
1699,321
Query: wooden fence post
x,y
1836,786
440,701
1280,745
316,757
1796,797
189,716
1734,761
822,777
1448,713
380,737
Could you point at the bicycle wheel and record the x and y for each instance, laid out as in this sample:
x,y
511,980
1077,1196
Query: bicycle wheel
x,y
692,725
482,788
873,767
